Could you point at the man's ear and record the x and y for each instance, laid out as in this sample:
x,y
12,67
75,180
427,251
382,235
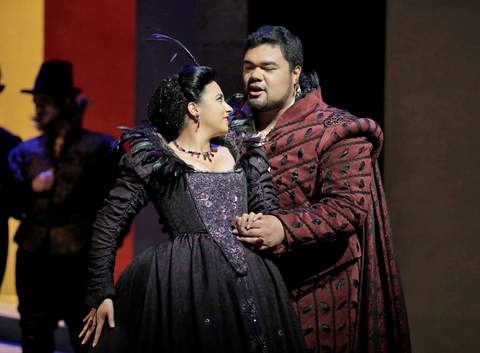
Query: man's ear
x,y
296,73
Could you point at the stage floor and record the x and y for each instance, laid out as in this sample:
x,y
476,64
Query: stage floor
x,y
10,331
6,347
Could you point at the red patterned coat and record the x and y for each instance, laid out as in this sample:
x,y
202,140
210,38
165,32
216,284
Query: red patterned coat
x,y
337,259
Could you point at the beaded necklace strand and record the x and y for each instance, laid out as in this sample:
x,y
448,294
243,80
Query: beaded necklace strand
x,y
206,155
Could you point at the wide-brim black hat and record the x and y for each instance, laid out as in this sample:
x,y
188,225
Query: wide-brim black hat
x,y
55,77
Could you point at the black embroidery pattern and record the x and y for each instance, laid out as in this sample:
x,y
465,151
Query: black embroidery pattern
x,y
338,117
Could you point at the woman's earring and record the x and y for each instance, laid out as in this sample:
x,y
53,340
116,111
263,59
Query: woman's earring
x,y
198,121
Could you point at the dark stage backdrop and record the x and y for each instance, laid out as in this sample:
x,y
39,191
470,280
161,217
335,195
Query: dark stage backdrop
x,y
344,42
432,167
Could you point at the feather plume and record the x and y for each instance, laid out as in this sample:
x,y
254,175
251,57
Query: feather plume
x,y
165,38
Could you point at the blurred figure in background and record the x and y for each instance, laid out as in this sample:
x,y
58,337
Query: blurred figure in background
x,y
7,142
60,180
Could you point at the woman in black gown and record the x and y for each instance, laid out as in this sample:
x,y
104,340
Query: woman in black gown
x,y
201,290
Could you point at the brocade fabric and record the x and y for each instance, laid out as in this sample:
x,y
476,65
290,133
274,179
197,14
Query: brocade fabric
x,y
337,259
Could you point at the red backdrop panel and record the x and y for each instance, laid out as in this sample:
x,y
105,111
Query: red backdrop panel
x,y
98,38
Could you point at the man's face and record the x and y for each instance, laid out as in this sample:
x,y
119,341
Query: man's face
x,y
47,112
268,81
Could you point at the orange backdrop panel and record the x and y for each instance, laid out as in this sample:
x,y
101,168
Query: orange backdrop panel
x,y
98,38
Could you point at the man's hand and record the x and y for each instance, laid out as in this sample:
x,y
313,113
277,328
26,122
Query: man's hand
x,y
259,232
43,181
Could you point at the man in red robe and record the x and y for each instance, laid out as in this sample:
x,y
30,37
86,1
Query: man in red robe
x,y
332,234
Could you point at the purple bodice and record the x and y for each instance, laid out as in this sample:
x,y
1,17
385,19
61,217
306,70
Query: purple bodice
x,y
219,198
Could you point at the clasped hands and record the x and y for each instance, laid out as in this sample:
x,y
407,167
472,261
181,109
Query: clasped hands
x,y
258,231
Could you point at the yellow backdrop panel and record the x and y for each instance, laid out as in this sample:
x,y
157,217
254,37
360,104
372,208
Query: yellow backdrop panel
x,y
21,54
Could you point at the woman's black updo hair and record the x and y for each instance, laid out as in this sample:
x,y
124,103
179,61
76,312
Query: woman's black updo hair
x,y
168,104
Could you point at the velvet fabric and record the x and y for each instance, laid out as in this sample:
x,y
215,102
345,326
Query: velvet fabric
x,y
337,259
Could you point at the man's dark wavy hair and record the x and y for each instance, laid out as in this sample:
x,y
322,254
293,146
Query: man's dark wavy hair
x,y
291,46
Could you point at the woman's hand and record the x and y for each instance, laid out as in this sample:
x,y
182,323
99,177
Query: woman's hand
x,y
245,221
95,320
258,231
